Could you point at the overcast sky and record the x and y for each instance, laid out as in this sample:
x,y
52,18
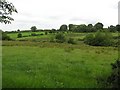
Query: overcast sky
x,y
48,14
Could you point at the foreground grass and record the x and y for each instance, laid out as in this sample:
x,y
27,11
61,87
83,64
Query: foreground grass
x,y
54,65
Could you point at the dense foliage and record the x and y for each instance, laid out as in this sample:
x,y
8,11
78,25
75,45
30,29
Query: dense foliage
x,y
63,28
60,38
113,80
92,28
71,41
19,35
99,39
33,28
6,9
5,36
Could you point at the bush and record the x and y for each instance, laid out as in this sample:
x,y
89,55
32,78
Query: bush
x,y
19,35
89,39
113,80
41,34
99,39
46,33
52,39
5,36
71,41
60,38
33,34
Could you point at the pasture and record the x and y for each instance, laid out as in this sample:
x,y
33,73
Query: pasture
x,y
30,63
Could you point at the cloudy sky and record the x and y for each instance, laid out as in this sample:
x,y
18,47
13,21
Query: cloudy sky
x,y
47,14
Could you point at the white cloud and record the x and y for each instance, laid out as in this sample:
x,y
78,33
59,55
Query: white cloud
x,y
53,13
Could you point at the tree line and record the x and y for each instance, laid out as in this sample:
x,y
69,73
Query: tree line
x,y
82,28
88,28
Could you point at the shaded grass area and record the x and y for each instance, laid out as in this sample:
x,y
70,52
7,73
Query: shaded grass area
x,y
55,65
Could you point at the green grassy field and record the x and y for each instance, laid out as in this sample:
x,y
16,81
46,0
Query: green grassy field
x,y
55,65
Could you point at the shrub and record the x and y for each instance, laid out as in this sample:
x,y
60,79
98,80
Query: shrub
x,y
52,39
60,38
50,32
19,35
5,36
41,34
113,80
89,39
99,39
46,33
71,41
33,34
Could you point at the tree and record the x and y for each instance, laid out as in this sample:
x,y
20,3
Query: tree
x,y
6,9
63,27
118,28
18,30
4,36
33,28
70,27
81,28
112,28
90,28
98,26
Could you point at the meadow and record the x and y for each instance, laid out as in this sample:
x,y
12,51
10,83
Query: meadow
x,y
33,62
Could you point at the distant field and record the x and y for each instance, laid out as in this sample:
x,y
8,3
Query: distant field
x,y
14,35
35,62
74,35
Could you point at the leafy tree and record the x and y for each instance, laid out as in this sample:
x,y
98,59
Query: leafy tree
x,y
18,30
33,28
63,28
90,25
98,26
5,36
90,28
53,30
81,28
71,26
6,9
112,28
118,28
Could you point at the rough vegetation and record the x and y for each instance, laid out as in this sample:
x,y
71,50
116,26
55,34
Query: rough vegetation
x,y
112,80
99,39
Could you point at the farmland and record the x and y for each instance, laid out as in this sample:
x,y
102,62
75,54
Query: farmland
x,y
35,62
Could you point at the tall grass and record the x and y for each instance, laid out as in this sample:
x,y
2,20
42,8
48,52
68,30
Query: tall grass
x,y
53,67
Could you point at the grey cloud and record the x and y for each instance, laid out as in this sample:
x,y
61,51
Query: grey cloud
x,y
86,20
